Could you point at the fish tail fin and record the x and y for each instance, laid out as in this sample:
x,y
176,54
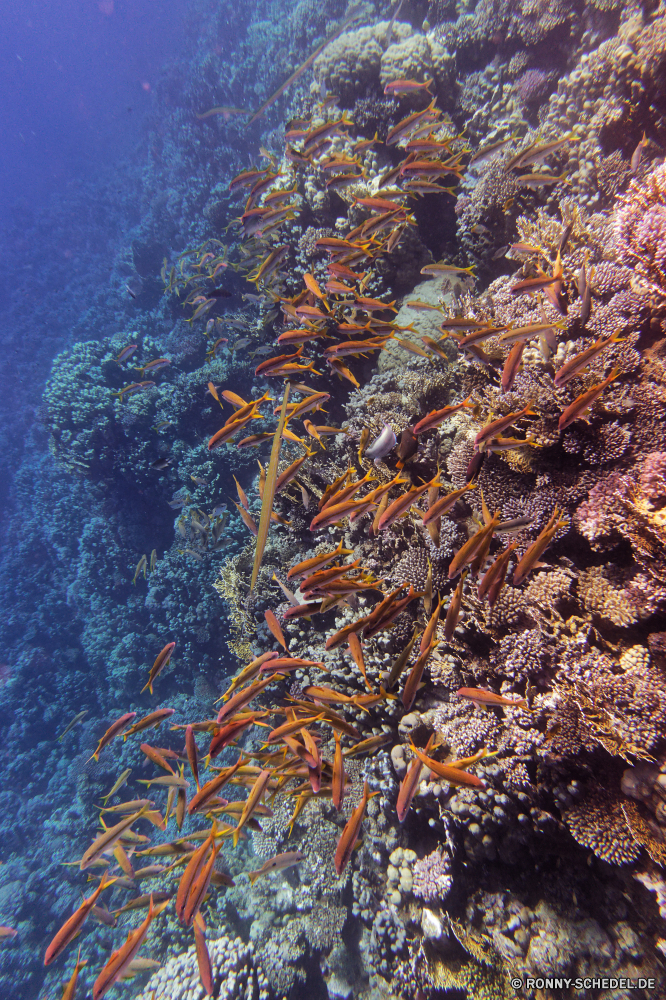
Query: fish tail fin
x,y
253,876
236,835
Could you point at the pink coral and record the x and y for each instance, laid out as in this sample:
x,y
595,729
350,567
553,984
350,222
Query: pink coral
x,y
653,477
532,86
640,227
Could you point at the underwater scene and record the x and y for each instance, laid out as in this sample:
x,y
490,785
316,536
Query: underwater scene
x,y
333,566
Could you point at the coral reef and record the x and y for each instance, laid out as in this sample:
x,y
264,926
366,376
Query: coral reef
x,y
235,975
454,771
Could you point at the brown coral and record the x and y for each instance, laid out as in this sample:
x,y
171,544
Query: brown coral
x,y
598,822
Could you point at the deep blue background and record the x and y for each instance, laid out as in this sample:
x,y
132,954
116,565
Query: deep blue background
x,y
76,80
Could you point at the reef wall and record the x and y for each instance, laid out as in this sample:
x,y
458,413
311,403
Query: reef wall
x,y
458,214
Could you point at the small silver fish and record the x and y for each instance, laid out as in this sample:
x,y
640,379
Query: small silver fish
x,y
513,526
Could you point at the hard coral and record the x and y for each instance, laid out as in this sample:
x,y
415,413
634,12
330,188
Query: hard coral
x,y
597,822
532,86
350,65
235,974
432,877
640,227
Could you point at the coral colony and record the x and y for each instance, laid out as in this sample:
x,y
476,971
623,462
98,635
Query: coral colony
x,y
395,436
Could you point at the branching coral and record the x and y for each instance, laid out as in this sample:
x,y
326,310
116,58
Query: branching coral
x,y
640,227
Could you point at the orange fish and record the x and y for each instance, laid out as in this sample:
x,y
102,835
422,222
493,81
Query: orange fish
x,y
436,417
472,546
356,650
274,626
158,666
113,730
338,512
497,569
445,504
339,776
413,681
576,365
252,802
453,610
339,637
410,783
156,757
537,548
400,506
342,371
488,699
203,958
247,519
69,991
337,496
211,788
229,430
154,719
284,663
584,401
192,871
249,672
73,925
121,958
454,775
224,736
192,754
108,837
325,576
242,699
293,726
496,427
349,836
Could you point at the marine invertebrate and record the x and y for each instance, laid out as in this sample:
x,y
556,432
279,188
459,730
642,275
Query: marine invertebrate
x,y
598,822
532,86
640,227
230,586
350,66
236,974
432,878
599,591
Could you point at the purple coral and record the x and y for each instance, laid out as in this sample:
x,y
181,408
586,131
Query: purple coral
x,y
532,86
653,477
432,877
640,227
